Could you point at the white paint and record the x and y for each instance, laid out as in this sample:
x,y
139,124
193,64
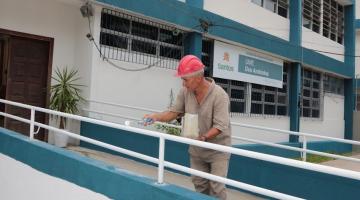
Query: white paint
x,y
252,15
357,9
268,121
20,181
149,88
317,42
357,52
332,123
60,20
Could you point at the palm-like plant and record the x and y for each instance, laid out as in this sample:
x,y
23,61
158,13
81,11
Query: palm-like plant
x,y
65,94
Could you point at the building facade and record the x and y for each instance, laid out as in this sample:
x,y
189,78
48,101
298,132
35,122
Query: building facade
x,y
286,64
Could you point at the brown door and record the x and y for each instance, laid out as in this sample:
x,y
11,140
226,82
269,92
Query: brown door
x,y
27,78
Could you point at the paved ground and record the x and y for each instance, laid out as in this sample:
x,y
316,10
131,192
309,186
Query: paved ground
x,y
344,164
150,171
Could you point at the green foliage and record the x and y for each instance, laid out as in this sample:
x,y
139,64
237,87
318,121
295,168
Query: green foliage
x,y
312,158
168,129
65,94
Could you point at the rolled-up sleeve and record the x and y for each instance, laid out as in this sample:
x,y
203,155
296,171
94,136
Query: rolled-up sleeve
x,y
179,105
221,116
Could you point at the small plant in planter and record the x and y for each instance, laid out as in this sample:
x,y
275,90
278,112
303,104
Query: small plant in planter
x,y
65,94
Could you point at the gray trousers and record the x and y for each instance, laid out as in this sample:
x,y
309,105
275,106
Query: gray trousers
x,y
217,166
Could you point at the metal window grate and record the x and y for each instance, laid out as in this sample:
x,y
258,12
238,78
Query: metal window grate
x,y
310,98
132,39
277,6
266,100
333,85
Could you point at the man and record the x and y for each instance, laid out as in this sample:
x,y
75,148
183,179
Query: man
x,y
210,102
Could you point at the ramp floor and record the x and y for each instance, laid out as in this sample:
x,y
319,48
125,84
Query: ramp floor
x,y
151,171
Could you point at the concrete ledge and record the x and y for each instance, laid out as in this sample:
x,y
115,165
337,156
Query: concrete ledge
x,y
94,175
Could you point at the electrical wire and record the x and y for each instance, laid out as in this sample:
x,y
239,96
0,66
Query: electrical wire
x,y
103,57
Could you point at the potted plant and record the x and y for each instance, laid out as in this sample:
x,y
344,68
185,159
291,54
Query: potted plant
x,y
65,96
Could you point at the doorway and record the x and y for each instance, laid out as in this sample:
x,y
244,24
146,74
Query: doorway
x,y
25,67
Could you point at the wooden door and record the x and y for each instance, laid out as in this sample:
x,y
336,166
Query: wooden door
x,y
27,80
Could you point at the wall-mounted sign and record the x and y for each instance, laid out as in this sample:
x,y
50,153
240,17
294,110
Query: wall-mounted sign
x,y
236,63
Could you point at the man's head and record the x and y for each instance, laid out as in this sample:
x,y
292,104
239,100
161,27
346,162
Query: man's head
x,y
191,71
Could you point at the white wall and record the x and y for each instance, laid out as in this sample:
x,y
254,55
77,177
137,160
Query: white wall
x,y
250,14
149,88
315,41
357,9
60,20
357,52
20,181
332,123
268,121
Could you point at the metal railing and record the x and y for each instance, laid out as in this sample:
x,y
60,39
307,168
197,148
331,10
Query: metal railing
x,y
162,163
304,151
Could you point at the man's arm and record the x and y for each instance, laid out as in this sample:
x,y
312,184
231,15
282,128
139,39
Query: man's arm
x,y
163,116
213,132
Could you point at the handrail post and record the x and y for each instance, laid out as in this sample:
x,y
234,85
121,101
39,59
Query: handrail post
x,y
304,148
32,121
161,160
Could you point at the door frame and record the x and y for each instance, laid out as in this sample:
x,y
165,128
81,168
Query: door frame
x,y
50,60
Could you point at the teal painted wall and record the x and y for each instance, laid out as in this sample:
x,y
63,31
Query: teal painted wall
x,y
289,180
295,13
349,84
88,173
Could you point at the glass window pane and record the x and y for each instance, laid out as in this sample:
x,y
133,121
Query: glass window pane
x,y
237,107
256,108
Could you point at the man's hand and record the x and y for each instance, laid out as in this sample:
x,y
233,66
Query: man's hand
x,y
149,119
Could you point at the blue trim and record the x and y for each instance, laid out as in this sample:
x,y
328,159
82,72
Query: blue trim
x,y
294,100
357,23
295,22
88,173
193,44
349,84
188,16
281,178
349,105
196,3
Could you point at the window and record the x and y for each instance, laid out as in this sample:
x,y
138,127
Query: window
x,y
132,39
310,95
332,23
270,100
333,20
277,6
311,14
333,85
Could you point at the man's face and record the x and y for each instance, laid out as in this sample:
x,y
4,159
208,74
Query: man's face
x,y
191,83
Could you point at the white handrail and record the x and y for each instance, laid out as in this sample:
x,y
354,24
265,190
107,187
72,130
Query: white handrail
x,y
239,124
147,158
303,150
241,152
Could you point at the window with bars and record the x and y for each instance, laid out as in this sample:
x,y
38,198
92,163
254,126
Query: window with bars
x,y
132,39
310,95
311,14
277,6
333,85
333,20
265,100
268,100
331,25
